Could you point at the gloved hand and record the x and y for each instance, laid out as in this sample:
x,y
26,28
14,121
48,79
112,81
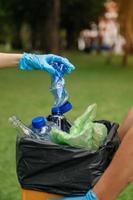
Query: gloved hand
x,y
44,62
89,196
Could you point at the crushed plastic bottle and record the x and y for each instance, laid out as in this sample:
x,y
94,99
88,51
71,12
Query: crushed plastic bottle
x,y
21,127
42,128
58,85
61,103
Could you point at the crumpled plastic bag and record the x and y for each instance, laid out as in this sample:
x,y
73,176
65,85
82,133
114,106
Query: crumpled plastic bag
x,y
84,133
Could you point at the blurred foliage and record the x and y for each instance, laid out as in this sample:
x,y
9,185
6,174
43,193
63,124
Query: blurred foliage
x,y
77,15
41,19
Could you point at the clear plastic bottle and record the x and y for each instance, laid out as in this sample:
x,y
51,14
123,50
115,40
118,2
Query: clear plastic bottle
x,y
21,127
58,85
58,117
41,127
61,103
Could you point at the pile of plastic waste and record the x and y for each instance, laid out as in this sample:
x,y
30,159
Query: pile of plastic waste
x,y
84,133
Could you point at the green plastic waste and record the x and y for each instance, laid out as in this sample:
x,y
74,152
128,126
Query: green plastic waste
x,y
84,133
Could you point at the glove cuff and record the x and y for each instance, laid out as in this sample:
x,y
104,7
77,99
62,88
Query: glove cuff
x,y
91,196
26,61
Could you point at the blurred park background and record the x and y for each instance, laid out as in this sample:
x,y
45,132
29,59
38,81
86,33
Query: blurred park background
x,y
97,37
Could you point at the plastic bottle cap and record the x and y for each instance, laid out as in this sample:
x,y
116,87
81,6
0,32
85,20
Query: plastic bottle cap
x,y
62,109
39,122
56,110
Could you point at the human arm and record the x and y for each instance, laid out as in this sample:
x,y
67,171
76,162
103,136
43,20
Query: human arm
x,y
28,61
9,59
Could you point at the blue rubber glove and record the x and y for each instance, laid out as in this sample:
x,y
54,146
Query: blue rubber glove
x,y
89,196
44,62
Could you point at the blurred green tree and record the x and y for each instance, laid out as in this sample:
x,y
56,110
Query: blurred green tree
x,y
40,22
41,16
77,15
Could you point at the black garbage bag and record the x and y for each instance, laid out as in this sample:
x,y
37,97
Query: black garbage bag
x,y
61,169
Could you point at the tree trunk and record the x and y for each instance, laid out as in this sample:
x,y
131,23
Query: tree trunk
x,y
33,38
126,21
69,38
51,28
37,37
16,40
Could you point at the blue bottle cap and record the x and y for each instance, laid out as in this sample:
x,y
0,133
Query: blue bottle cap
x,y
62,109
39,122
56,110
66,107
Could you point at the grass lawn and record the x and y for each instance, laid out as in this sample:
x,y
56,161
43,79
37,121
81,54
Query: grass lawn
x,y
26,95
